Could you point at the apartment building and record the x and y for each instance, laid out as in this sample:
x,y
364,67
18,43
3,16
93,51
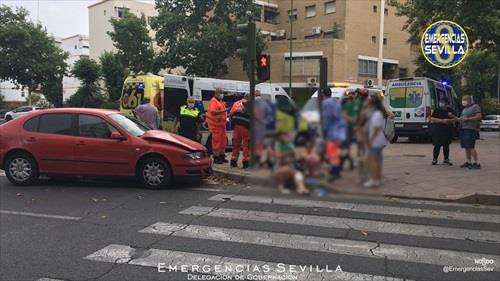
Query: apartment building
x,y
100,14
346,32
77,47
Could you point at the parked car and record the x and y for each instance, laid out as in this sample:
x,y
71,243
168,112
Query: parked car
x,y
20,111
490,122
2,113
96,142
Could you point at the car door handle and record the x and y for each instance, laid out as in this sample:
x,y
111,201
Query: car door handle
x,y
31,139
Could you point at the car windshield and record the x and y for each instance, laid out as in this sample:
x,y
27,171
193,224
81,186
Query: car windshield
x,y
491,117
130,124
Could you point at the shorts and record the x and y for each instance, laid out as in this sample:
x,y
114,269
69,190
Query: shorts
x,y
375,151
468,138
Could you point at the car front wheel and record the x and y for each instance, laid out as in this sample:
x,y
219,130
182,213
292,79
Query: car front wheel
x,y
8,118
154,173
21,169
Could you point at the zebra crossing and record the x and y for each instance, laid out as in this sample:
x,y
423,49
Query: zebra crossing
x,y
281,238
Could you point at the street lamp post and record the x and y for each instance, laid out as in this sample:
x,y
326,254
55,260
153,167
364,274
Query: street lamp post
x,y
381,44
290,57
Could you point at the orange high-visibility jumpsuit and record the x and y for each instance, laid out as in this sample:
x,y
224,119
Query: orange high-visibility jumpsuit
x,y
216,120
241,134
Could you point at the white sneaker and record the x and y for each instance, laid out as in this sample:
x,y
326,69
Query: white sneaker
x,y
371,183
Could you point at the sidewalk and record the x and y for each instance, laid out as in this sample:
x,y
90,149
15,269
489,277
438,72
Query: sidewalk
x,y
408,173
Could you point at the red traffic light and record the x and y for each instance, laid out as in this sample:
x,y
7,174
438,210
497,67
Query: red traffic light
x,y
263,61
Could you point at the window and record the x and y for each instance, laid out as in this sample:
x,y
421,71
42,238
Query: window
x,y
283,104
130,124
258,13
104,12
94,127
310,11
302,66
367,68
56,124
76,47
374,39
406,97
292,14
32,124
330,7
174,99
403,72
386,12
120,12
385,41
374,8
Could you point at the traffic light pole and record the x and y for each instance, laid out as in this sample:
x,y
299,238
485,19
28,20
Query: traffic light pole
x,y
251,64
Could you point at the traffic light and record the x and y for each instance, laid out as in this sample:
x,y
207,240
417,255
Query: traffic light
x,y
247,39
263,67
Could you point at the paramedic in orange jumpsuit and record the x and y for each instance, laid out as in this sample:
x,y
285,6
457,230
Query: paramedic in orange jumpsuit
x,y
216,120
241,131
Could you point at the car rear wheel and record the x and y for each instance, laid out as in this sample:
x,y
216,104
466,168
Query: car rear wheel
x,y
21,169
155,173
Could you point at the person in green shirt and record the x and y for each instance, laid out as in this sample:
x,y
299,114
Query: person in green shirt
x,y
350,109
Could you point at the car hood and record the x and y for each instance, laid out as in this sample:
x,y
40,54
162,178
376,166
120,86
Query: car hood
x,y
173,139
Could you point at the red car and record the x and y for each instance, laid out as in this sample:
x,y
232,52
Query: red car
x,y
95,142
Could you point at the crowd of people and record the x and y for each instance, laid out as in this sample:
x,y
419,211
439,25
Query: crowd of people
x,y
357,119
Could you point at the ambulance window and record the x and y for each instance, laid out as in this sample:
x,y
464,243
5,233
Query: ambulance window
x,y
207,95
284,104
174,99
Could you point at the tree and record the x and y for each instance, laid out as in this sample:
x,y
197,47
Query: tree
x,y
131,37
199,35
52,89
1,100
114,74
29,56
89,94
480,20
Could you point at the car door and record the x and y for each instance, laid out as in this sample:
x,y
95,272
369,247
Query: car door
x,y
51,140
97,154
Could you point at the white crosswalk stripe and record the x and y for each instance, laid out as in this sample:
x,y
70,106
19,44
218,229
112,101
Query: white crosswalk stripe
x,y
328,245
218,265
335,222
374,209
234,237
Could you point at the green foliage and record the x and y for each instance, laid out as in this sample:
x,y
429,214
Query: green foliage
x,y
39,100
89,94
135,48
490,105
481,22
480,19
199,35
53,91
29,58
114,74
480,74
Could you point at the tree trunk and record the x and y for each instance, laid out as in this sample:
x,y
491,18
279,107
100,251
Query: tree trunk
x,y
29,96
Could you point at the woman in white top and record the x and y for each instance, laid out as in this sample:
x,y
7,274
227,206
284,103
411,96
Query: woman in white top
x,y
375,139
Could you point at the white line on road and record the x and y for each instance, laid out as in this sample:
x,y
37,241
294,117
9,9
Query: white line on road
x,y
219,265
376,209
39,215
345,223
321,244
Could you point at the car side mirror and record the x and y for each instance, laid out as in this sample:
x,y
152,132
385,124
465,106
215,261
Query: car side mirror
x,y
117,136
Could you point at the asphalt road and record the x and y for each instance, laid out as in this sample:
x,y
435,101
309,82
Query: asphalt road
x,y
118,231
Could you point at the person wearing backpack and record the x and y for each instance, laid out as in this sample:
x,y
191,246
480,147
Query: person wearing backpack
x,y
375,139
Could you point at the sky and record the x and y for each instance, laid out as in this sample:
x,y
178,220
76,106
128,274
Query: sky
x,y
62,18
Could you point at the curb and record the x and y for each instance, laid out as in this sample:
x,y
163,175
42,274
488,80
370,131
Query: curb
x,y
475,198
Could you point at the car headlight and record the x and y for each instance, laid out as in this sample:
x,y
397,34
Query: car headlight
x,y
195,155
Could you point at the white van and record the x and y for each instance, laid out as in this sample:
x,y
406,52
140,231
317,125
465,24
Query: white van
x,y
412,101
177,88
